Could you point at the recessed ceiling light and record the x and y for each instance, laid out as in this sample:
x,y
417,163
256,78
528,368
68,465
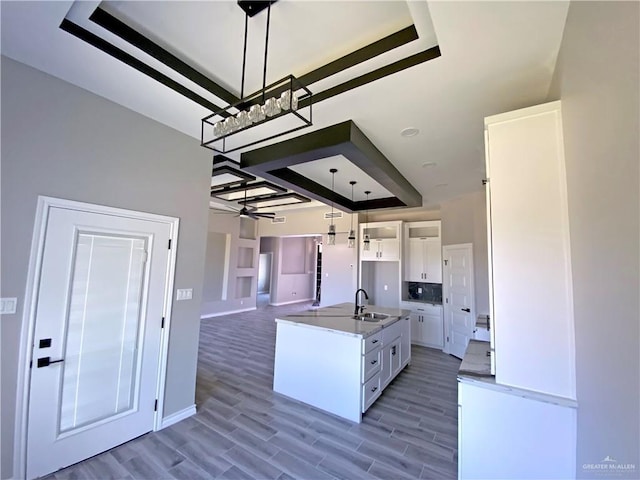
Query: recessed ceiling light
x,y
429,164
410,132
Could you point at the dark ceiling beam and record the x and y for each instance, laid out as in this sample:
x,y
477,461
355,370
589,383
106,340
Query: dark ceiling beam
x,y
418,58
273,161
402,37
133,37
101,44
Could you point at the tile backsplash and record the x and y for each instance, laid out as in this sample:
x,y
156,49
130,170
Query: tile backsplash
x,y
422,292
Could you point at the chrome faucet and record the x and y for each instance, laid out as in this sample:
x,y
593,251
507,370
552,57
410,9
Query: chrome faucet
x,y
359,308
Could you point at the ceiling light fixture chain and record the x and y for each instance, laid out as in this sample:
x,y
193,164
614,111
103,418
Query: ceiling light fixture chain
x,y
367,242
331,235
351,241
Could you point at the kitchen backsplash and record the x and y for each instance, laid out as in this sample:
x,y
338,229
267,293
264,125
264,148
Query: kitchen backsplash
x,y
422,292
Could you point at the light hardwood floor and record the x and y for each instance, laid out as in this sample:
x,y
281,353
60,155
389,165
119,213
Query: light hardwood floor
x,y
245,431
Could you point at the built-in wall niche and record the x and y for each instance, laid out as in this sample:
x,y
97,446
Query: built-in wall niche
x,y
216,272
245,257
243,287
247,228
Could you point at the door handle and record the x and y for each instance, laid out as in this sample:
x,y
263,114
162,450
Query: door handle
x,y
468,310
46,361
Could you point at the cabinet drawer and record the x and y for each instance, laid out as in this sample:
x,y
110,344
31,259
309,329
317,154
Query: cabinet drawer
x,y
370,391
370,364
372,342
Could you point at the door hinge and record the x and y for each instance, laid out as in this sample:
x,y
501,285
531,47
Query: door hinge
x,y
485,181
169,246
155,406
445,262
162,324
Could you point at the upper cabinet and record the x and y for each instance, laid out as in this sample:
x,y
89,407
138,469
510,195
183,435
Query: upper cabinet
x,y
529,251
423,252
384,244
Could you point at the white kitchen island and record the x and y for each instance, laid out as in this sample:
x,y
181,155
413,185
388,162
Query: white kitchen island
x,y
326,358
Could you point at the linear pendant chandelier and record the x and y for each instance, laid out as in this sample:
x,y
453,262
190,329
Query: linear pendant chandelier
x,y
288,97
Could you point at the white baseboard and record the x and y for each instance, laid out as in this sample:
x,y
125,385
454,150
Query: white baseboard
x,y
292,301
178,416
219,314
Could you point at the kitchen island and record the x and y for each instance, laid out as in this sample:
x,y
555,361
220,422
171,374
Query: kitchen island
x,y
326,358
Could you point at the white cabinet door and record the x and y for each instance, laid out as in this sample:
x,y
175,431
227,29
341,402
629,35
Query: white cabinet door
x,y
416,330
433,260
530,251
405,347
414,268
389,249
371,254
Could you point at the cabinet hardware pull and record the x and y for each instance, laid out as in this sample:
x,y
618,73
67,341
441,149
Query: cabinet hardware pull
x,y
466,310
393,350
373,362
374,341
374,389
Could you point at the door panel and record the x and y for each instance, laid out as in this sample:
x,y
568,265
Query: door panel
x,y
459,306
99,305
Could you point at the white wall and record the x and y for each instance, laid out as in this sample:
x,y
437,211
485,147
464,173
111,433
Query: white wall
x,y
62,141
597,80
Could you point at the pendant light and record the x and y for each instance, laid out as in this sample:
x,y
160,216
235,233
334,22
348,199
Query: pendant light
x,y
351,241
366,245
331,235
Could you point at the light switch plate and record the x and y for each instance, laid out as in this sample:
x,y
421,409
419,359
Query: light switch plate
x,y
184,294
8,305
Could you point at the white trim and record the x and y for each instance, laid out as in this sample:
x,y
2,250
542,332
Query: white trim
x,y
29,311
219,314
292,301
177,416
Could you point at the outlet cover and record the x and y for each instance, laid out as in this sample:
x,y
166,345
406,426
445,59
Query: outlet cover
x,y
8,305
184,294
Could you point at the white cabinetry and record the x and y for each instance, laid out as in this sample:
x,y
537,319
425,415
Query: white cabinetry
x,y
384,241
427,325
337,372
504,434
529,254
423,252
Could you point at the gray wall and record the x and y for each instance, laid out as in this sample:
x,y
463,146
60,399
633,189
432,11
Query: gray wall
x,y
597,80
464,220
230,225
62,141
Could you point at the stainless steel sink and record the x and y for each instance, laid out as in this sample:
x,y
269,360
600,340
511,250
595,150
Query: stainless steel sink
x,y
371,317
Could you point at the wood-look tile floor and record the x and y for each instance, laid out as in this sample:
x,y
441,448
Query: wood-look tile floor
x,y
243,430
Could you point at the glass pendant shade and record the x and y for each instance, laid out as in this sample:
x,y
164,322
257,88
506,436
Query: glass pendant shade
x,y
366,245
351,241
331,236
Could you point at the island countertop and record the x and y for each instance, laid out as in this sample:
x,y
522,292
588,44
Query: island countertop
x,y
339,318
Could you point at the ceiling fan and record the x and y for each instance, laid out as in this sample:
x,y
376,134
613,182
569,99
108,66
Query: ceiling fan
x,y
246,212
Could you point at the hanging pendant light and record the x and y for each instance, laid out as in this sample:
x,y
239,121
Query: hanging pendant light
x,y
331,235
366,245
351,241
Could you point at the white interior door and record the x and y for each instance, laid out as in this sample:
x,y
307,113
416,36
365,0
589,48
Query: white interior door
x,y
96,350
459,299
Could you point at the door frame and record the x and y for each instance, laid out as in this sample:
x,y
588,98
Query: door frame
x,y
445,288
44,206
